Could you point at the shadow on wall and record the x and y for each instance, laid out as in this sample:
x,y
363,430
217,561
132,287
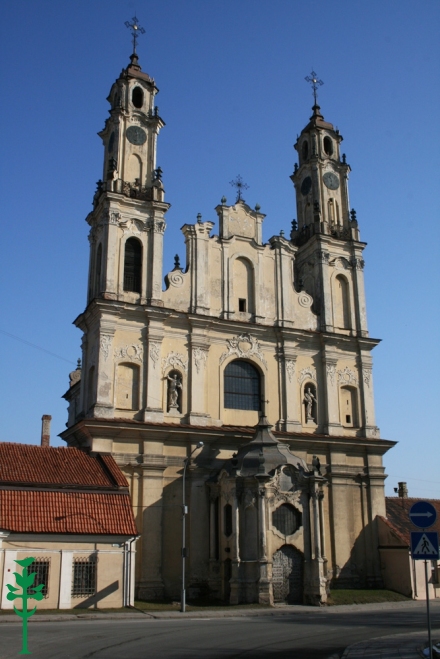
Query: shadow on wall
x,y
362,569
98,596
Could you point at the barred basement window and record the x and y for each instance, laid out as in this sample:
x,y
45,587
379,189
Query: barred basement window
x,y
41,567
286,519
84,577
242,386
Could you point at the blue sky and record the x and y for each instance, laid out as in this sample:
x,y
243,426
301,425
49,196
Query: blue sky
x,y
233,96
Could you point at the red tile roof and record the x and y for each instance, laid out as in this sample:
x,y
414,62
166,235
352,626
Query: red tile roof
x,y
62,490
27,464
31,511
397,509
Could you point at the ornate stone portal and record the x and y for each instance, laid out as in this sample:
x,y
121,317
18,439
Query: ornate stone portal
x,y
276,537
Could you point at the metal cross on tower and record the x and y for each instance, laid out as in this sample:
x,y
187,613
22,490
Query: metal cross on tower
x,y
136,30
314,81
240,185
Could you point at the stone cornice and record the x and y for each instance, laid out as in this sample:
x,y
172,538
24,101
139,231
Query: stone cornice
x,y
115,429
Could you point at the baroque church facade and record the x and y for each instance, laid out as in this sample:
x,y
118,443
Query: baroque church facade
x,y
259,350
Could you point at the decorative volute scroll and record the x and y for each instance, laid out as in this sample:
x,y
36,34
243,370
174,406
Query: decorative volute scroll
x,y
243,346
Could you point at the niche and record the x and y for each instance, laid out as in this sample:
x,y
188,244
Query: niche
x,y
174,392
349,412
134,170
310,403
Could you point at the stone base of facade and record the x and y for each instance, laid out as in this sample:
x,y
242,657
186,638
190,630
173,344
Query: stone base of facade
x,y
151,590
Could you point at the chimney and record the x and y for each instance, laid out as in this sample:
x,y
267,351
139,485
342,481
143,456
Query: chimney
x,y
45,429
403,490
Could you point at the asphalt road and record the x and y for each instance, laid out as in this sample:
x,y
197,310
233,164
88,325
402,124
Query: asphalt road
x,y
300,635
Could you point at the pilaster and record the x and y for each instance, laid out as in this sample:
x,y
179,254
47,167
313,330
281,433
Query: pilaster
x,y
154,404
199,343
322,257
290,409
104,406
359,293
155,229
151,584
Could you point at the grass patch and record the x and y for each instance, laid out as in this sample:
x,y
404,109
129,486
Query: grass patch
x,y
364,597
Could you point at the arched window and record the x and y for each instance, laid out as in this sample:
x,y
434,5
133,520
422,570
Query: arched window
x,y
349,414
133,265
341,303
286,519
111,142
127,387
243,283
305,150
137,97
242,386
98,270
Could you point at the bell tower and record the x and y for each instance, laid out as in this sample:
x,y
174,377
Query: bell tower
x,y
127,225
329,262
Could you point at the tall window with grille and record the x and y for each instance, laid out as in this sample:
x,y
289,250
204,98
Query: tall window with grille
x,y
41,567
133,265
84,577
242,386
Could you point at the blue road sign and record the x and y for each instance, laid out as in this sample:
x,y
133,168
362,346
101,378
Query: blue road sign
x,y
424,545
423,514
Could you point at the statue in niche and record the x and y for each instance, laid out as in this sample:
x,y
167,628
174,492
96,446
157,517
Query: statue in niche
x,y
309,399
174,391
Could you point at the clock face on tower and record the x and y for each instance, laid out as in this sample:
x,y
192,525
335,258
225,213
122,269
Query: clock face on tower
x,y
136,135
331,180
306,185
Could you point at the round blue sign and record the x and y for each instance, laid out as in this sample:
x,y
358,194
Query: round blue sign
x,y
423,514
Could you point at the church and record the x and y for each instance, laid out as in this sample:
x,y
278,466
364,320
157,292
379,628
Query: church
x,y
248,372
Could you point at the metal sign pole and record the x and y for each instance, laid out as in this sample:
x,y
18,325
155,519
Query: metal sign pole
x,y
427,611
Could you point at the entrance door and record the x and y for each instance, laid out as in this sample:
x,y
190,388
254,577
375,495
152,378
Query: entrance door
x,y
287,575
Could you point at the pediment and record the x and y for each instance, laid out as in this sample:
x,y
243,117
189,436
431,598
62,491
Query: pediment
x,y
241,221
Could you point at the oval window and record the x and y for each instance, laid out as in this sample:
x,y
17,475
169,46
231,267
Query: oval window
x,y
137,97
328,146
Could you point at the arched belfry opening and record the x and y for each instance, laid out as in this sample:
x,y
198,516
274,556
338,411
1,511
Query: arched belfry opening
x,y
341,302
